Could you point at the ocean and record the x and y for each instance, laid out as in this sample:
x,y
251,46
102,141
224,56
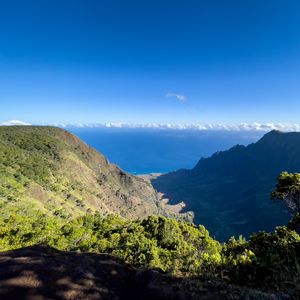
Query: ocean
x,y
143,151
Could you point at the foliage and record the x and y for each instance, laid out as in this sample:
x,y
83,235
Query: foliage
x,y
266,260
155,242
28,153
23,225
288,190
294,224
269,260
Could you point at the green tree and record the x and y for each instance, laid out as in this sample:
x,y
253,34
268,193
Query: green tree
x,y
288,190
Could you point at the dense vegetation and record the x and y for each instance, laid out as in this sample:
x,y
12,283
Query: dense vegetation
x,y
269,261
30,163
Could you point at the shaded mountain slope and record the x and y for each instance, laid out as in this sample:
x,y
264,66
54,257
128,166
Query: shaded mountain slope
x,y
230,191
50,169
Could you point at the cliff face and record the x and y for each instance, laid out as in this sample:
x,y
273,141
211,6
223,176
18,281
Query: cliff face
x,y
230,191
53,170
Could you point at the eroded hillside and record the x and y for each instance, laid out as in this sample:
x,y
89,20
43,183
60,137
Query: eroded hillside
x,y
52,170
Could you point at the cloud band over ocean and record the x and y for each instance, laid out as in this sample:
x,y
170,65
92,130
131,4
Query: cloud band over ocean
x,y
264,127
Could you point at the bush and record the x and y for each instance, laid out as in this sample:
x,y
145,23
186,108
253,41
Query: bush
x,y
267,260
155,242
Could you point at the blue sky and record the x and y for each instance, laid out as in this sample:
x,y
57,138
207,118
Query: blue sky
x,y
150,61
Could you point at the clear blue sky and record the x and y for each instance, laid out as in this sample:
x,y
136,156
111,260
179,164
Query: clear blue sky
x,y
150,61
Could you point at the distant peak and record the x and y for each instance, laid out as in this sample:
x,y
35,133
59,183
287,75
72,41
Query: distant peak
x,y
272,134
274,131
276,136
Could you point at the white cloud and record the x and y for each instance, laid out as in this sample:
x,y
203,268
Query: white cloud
x,y
179,97
262,127
14,122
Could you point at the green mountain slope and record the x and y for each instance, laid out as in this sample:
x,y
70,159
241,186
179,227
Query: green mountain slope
x,y
230,191
49,169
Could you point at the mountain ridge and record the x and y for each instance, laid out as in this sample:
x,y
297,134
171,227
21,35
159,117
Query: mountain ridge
x,y
229,191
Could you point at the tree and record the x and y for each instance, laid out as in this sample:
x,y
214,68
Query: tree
x,y
288,190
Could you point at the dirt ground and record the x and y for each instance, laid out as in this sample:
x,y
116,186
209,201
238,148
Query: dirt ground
x,y
41,273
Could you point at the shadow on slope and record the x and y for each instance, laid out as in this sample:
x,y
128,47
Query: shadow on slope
x,y
229,192
41,272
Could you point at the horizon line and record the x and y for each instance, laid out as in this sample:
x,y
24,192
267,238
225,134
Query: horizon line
x,y
255,126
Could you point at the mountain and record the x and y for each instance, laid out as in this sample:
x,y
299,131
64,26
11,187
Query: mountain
x,y
50,169
60,239
229,192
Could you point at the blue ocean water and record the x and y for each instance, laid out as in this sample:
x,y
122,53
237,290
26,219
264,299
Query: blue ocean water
x,y
141,151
